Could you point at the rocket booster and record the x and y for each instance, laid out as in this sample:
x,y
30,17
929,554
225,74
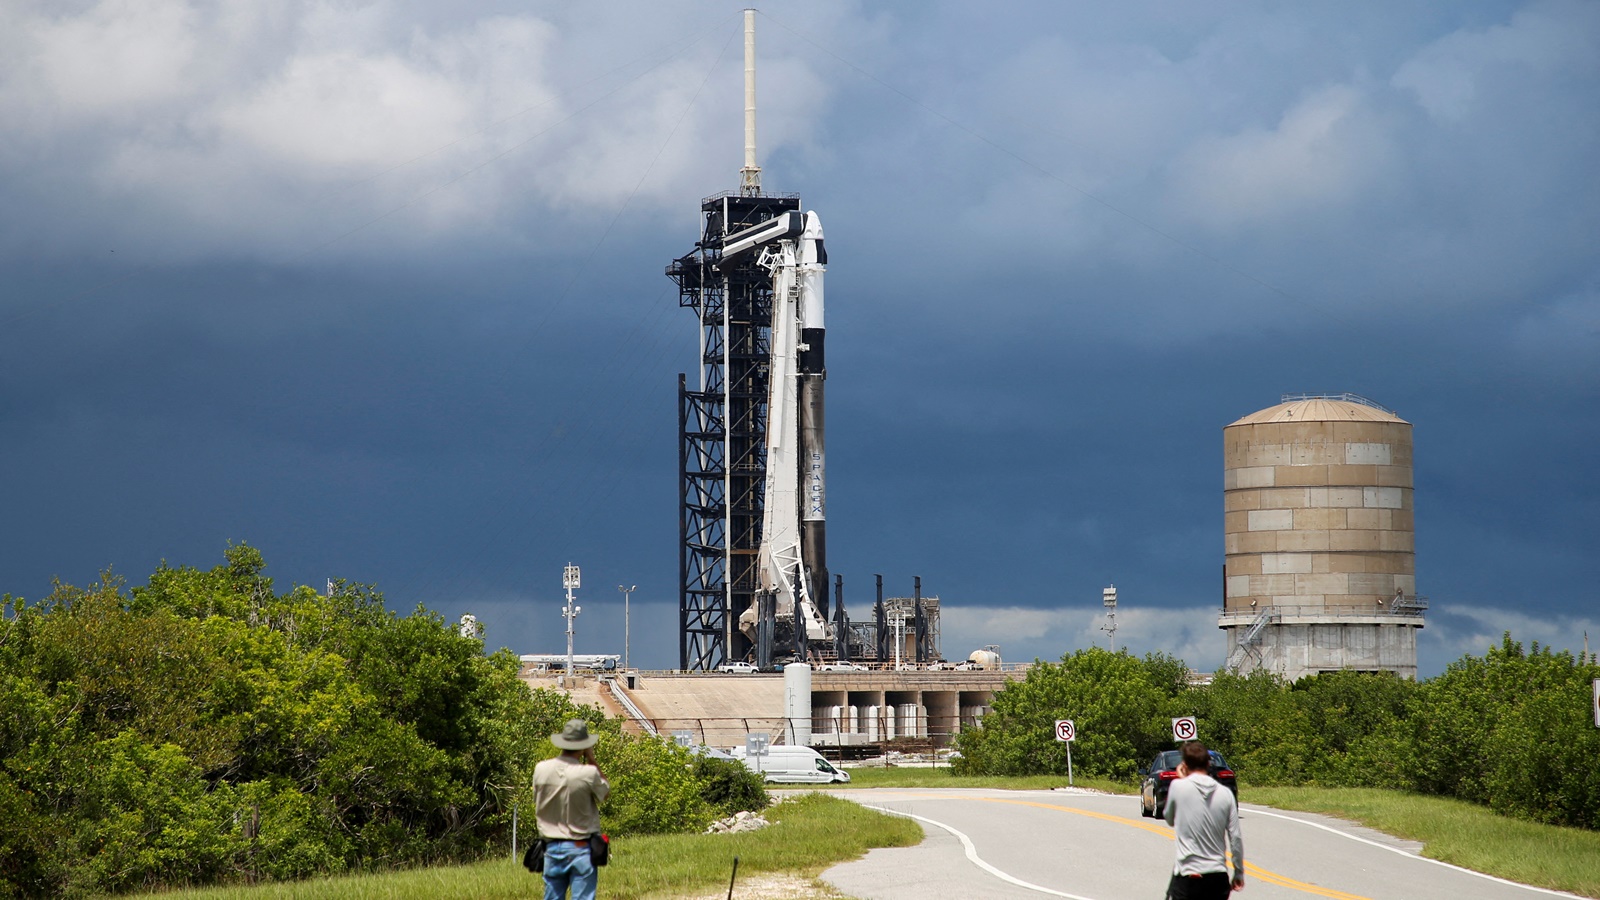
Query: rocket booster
x,y
812,263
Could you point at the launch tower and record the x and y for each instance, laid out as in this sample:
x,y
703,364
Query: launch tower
x,y
752,548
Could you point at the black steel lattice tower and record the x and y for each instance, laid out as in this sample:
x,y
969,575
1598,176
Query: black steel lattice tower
x,y
722,432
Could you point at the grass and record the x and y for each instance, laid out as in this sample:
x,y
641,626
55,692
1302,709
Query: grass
x,y
1460,833
809,834
915,777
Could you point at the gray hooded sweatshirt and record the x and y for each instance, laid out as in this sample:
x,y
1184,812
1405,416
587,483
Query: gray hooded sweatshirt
x,y
1201,811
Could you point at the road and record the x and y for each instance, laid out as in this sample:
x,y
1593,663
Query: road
x,y
1091,846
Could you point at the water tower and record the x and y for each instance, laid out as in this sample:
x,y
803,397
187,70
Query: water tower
x,y
1320,565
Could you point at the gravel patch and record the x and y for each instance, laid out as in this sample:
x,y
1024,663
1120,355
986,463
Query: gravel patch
x,y
767,886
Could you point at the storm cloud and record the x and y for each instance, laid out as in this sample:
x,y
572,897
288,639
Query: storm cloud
x,y
376,286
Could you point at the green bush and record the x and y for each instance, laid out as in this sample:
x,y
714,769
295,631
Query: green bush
x,y
203,728
729,786
1510,730
653,788
1118,703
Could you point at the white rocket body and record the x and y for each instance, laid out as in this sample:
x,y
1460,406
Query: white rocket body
x,y
793,532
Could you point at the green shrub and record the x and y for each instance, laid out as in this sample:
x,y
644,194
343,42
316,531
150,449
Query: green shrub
x,y
729,786
653,788
1118,703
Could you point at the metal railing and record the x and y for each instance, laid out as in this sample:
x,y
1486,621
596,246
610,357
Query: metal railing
x,y
1407,606
827,733
870,668
1346,396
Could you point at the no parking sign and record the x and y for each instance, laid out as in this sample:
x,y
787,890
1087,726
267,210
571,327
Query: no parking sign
x,y
1065,730
1184,728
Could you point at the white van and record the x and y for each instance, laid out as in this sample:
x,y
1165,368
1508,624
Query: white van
x,y
792,765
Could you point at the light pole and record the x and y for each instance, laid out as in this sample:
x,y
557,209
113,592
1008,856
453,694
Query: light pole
x,y
569,580
1109,597
627,594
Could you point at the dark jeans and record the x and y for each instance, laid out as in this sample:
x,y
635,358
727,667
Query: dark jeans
x,y
1210,886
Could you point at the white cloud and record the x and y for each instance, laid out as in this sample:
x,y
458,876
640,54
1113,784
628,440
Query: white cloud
x,y
1324,152
1191,634
187,131
1447,77
1024,633
1456,631
115,58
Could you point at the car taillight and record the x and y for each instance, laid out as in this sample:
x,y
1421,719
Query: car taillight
x,y
1168,776
1225,773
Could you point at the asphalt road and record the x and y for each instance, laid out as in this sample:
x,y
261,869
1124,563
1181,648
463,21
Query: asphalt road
x,y
1090,846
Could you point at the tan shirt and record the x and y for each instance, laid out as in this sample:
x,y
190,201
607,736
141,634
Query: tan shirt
x,y
567,797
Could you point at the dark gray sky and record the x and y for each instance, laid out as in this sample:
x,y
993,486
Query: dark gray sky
x,y
377,287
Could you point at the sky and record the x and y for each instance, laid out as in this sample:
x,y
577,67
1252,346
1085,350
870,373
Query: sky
x,y
377,287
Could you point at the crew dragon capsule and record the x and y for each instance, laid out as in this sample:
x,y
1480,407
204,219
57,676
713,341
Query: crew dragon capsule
x,y
794,567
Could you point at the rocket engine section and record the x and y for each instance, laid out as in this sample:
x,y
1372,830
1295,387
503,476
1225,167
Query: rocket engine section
x,y
793,554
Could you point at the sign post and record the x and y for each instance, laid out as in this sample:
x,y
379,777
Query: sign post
x,y
1185,728
755,744
1066,733
1597,703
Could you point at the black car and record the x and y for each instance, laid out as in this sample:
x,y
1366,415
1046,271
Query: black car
x,y
1163,770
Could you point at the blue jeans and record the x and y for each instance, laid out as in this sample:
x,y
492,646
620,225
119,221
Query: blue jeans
x,y
566,864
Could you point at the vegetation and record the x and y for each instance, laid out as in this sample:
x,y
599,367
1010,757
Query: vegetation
x,y
203,729
1461,833
809,834
1510,730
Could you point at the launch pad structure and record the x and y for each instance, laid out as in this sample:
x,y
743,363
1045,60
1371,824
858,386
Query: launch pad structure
x,y
722,425
752,485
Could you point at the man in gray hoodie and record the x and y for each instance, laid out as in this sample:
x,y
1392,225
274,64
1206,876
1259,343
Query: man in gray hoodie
x,y
1204,819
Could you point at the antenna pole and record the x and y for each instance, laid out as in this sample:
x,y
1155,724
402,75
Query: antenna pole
x,y
750,175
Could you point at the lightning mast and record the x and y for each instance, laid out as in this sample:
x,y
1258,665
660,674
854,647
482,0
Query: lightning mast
x,y
750,175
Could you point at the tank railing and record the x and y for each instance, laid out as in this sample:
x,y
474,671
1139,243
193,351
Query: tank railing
x,y
1408,606
1346,396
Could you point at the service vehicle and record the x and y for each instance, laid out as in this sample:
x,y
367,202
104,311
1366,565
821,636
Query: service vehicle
x,y
792,765
737,668
1163,771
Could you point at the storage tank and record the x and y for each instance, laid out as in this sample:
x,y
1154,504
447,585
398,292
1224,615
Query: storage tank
x,y
1320,557
797,704
988,658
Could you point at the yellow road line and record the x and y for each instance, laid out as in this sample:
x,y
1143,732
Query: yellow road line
x,y
1255,871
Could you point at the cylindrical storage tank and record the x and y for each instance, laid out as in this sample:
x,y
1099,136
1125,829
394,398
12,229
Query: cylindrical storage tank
x,y
797,703
1319,535
889,732
913,720
826,720
873,725
969,716
852,719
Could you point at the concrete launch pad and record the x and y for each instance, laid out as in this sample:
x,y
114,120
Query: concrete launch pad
x,y
847,708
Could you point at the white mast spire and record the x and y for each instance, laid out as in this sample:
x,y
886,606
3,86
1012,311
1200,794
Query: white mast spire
x,y
750,175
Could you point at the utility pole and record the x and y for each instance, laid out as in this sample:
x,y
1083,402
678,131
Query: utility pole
x,y
569,580
627,594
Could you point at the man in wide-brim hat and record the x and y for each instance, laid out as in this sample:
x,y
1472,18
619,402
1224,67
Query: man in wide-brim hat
x,y
568,790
